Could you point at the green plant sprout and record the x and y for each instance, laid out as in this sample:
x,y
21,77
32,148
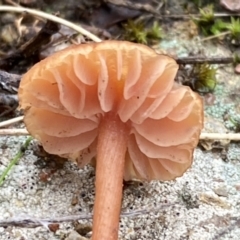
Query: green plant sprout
x,y
203,78
136,32
155,33
211,26
218,27
206,19
15,159
234,28
206,14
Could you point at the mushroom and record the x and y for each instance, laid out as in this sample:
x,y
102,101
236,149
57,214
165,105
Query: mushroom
x,y
117,101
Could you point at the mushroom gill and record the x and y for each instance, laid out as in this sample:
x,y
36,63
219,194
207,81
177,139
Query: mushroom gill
x,y
117,101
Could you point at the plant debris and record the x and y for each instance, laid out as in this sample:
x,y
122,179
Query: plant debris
x,y
31,49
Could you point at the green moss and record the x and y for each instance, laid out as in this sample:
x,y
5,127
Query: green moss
x,y
206,19
155,33
209,25
204,78
218,27
136,32
206,14
234,28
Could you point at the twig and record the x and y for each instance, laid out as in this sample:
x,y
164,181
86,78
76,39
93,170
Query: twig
x,y
136,6
220,136
203,136
32,222
13,132
202,60
215,36
15,159
10,121
190,16
51,18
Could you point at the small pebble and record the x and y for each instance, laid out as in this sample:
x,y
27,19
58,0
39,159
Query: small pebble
x,y
221,191
75,236
237,69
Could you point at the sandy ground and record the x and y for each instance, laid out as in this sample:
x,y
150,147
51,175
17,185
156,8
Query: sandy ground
x,y
199,205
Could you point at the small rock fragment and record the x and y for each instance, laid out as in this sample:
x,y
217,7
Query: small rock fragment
x,y
83,229
237,69
53,227
221,191
74,200
75,236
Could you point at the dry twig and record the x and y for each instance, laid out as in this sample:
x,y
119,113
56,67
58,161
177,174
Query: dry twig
x,y
10,122
32,222
215,36
13,131
205,60
136,6
220,136
196,16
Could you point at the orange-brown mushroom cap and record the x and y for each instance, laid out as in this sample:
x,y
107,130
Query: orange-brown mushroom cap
x,y
66,95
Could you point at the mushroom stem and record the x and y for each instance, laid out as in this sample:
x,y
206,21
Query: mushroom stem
x,y
111,150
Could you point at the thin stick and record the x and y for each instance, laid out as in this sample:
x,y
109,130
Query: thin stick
x,y
220,136
31,222
11,121
215,36
190,16
51,18
136,6
15,159
14,132
201,60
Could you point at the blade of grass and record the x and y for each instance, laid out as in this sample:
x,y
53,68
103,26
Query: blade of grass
x,y
15,159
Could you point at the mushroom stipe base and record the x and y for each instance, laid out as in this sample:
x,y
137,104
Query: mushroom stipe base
x,y
111,150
